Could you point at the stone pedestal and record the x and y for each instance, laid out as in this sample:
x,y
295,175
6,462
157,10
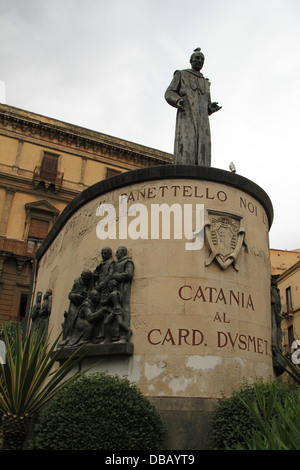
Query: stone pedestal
x,y
200,308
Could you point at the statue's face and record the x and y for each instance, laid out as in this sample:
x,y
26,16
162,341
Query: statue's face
x,y
121,252
94,296
106,254
197,61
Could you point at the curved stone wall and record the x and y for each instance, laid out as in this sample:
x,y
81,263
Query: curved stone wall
x,y
200,307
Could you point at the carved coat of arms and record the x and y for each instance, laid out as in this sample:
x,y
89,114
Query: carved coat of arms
x,y
225,236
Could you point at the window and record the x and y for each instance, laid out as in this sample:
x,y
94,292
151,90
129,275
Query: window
x,y
40,216
22,306
46,176
112,172
38,229
290,335
19,302
49,166
288,294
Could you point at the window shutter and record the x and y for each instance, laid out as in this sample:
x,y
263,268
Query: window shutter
x,y
49,161
49,166
38,228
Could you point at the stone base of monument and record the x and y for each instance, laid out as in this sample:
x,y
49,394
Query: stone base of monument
x,y
95,350
197,300
188,421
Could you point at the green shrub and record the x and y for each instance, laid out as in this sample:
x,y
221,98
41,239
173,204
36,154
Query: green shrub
x,y
277,422
99,412
232,422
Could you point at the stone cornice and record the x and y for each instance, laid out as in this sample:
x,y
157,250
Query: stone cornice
x,y
291,270
76,138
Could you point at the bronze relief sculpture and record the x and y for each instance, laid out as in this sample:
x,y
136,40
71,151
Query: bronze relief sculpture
x,y
99,309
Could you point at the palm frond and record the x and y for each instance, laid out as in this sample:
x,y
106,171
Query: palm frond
x,y
31,375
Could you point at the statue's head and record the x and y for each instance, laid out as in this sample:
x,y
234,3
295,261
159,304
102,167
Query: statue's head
x,y
94,296
273,281
106,253
86,276
47,294
121,252
197,59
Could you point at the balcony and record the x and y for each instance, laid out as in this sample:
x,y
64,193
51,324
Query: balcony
x,y
47,179
18,248
287,311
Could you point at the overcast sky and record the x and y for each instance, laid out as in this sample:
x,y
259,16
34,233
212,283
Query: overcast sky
x,y
105,65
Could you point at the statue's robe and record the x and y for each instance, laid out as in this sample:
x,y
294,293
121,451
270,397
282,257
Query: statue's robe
x,y
77,296
192,136
124,269
102,274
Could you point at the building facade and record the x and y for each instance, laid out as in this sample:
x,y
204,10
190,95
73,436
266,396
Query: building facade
x,y
281,260
289,286
44,164
285,266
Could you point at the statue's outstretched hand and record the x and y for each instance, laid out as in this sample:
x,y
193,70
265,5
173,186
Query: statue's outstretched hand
x,y
214,107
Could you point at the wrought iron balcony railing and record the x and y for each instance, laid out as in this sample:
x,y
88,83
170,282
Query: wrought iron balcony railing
x,y
48,177
287,310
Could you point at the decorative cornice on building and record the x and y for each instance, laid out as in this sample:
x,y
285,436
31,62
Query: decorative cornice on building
x,y
50,130
42,205
291,270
